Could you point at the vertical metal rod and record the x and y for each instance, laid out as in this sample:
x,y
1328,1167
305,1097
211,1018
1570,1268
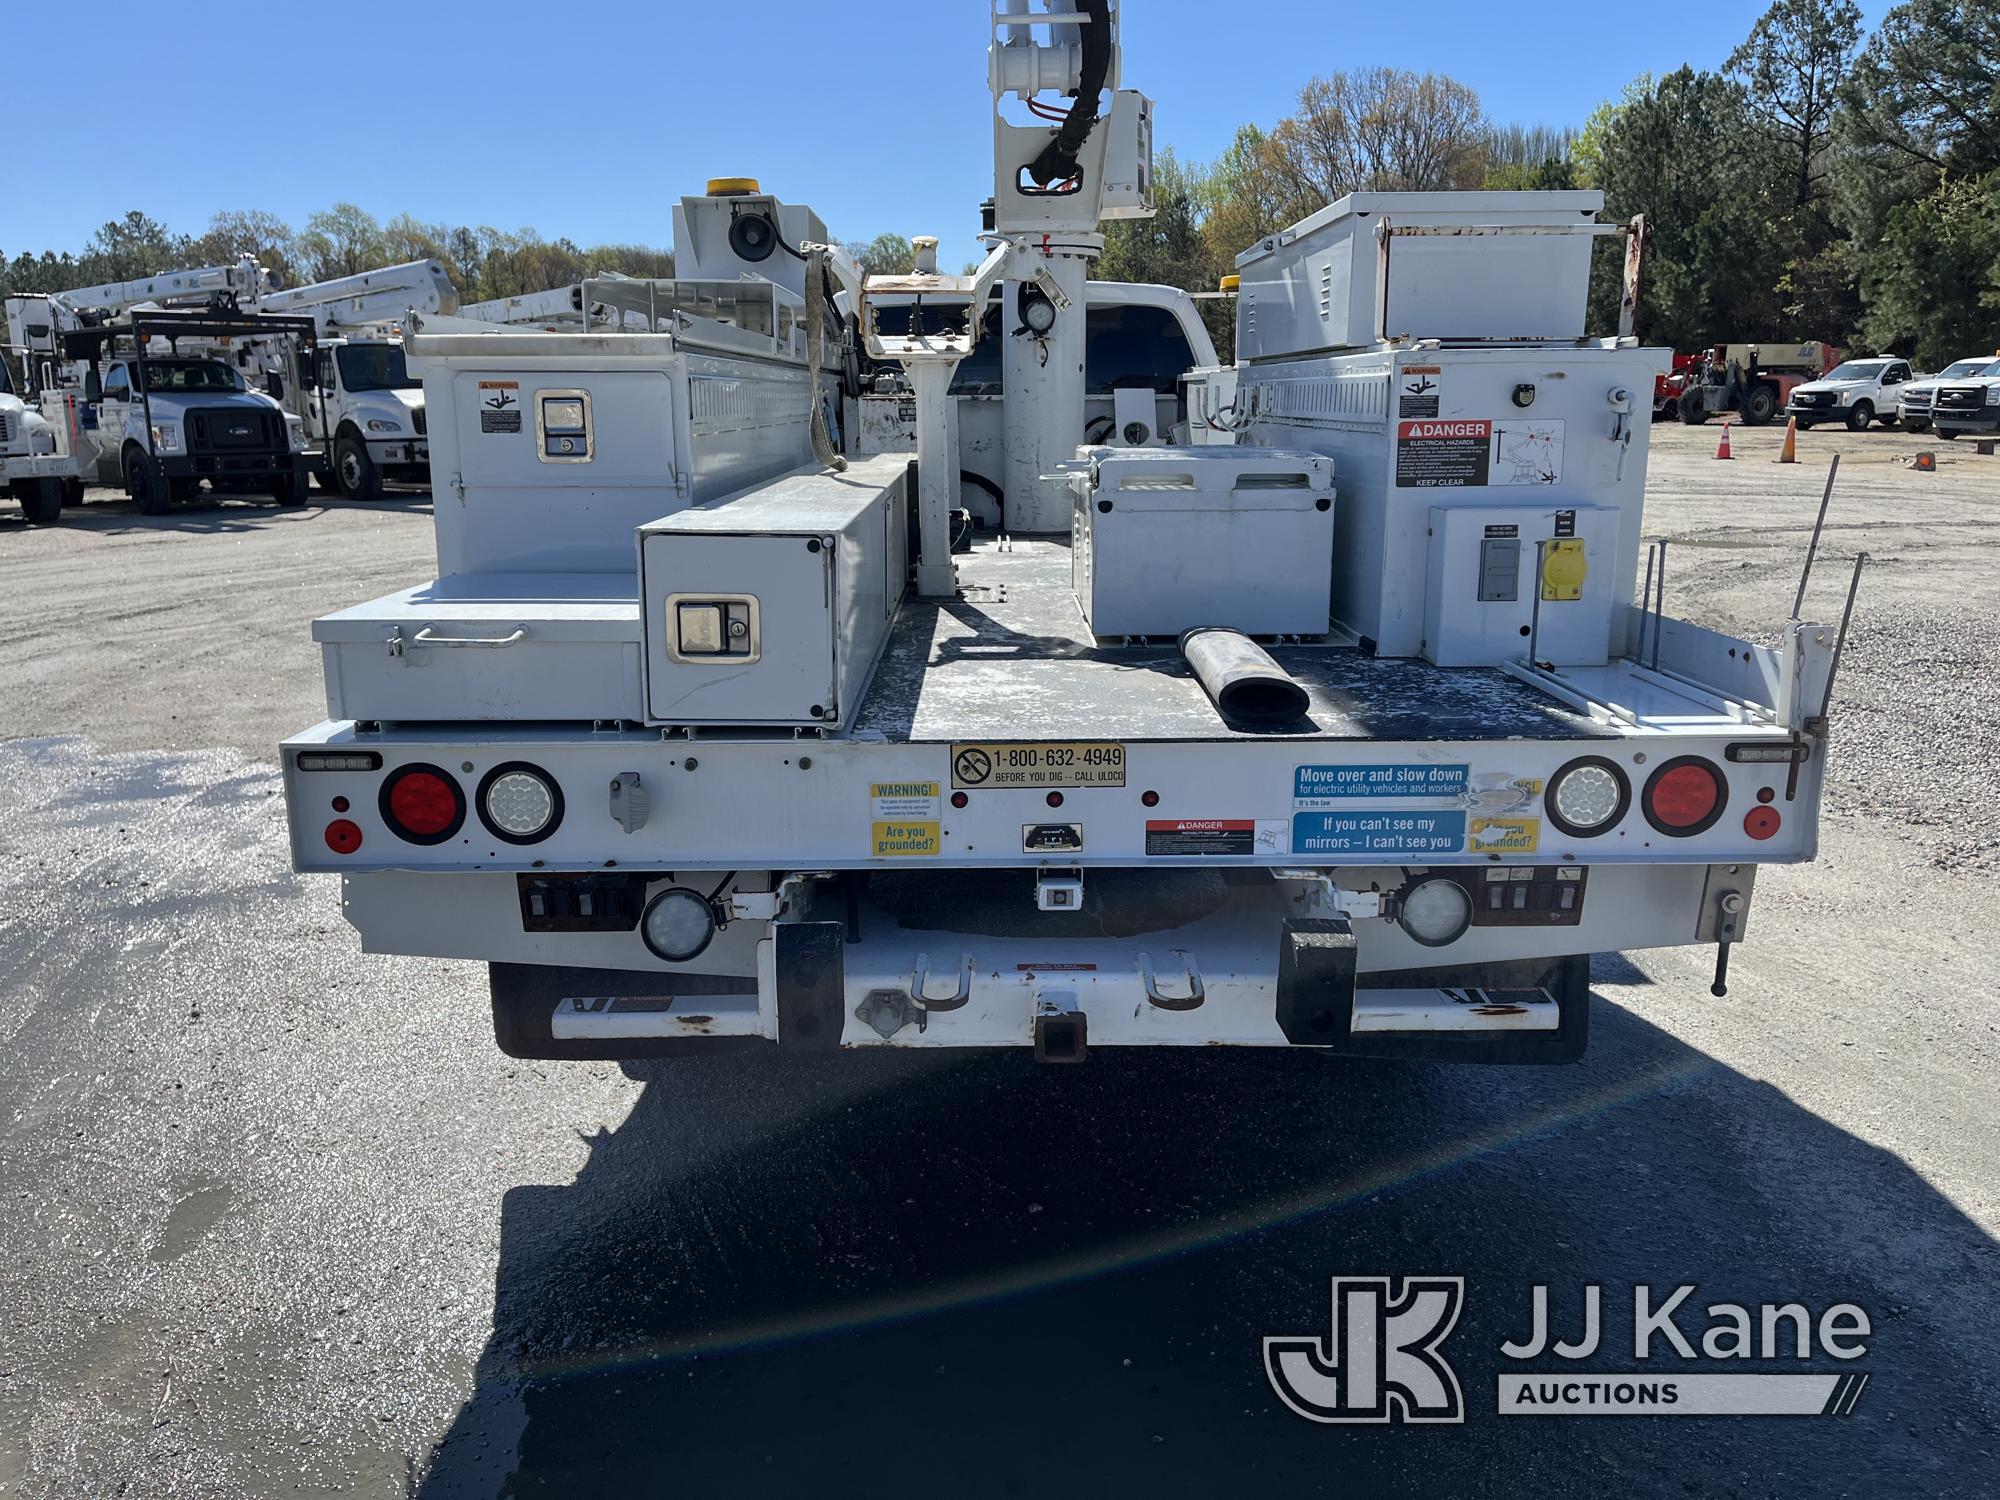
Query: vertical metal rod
x,y
1660,605
1840,641
1812,548
1645,606
1535,610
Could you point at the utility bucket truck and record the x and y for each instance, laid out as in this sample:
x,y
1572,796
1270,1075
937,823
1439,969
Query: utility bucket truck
x,y
362,410
1337,728
139,384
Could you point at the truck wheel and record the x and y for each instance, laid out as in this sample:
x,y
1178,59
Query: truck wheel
x,y
289,488
1694,411
1949,434
145,483
72,491
354,471
1859,415
1760,404
41,500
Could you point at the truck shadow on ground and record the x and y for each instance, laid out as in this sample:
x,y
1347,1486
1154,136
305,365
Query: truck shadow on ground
x,y
873,1272
208,514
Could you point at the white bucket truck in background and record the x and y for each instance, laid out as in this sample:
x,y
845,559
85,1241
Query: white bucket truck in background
x,y
1345,734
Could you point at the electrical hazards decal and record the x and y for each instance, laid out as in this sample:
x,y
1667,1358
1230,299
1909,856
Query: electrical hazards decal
x,y
1460,453
904,820
1184,836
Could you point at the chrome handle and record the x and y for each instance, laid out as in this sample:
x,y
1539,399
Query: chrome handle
x,y
427,637
921,979
1190,1001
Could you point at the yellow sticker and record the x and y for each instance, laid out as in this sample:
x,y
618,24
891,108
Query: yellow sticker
x,y
898,840
1504,836
1000,767
903,801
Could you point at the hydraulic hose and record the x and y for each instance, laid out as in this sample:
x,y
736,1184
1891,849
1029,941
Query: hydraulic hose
x,y
1246,686
822,440
1057,163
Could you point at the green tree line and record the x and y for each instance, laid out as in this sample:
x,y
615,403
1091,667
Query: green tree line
x,y
1821,185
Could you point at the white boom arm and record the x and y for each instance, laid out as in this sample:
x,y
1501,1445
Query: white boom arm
x,y
367,299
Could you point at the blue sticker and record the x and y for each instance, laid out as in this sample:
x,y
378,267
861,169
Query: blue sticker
x,y
1346,782
1390,832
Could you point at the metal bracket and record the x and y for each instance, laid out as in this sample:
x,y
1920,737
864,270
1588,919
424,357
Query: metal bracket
x,y
1190,1001
631,803
1725,903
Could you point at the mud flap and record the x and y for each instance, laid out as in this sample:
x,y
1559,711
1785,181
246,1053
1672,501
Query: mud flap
x,y
810,965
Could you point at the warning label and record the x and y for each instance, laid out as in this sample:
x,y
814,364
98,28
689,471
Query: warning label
x,y
1418,391
897,840
1215,836
1505,835
900,801
1378,832
499,406
1433,455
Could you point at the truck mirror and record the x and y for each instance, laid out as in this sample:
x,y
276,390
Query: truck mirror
x,y
93,385
274,386
307,379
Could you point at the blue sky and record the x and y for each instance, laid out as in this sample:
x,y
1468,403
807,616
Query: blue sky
x,y
592,126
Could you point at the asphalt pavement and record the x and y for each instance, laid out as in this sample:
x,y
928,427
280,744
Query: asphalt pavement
x,y
279,1219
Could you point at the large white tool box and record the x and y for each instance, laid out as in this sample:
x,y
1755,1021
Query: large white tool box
x,y
1165,540
488,646
770,608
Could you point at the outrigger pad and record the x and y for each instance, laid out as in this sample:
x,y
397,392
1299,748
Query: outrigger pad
x,y
1316,981
811,975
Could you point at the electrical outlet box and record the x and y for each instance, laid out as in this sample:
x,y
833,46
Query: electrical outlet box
x,y
1503,579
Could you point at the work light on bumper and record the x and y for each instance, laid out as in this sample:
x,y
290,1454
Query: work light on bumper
x,y
520,803
678,924
1435,911
1587,796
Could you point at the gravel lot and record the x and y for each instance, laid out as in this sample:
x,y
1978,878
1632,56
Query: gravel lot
x,y
279,1219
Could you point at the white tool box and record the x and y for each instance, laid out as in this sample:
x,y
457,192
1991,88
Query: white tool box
x,y
1464,266
1165,540
488,646
770,608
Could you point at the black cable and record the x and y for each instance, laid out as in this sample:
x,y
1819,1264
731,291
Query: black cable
x,y
1109,424
723,887
1057,163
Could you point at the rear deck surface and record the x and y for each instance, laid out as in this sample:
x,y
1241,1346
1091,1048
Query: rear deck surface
x,y
1012,654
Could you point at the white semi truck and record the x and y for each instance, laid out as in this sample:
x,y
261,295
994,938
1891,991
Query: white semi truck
x,y
1339,728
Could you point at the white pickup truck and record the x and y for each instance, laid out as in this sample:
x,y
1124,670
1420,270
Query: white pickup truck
x,y
1913,408
1970,405
1857,392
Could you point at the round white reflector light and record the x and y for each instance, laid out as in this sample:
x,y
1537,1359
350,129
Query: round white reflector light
x,y
520,803
678,924
1588,797
1436,911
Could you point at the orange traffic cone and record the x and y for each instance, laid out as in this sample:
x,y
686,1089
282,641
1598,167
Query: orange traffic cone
x,y
1789,454
1722,448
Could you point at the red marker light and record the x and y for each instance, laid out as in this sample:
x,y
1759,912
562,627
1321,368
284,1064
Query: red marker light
x,y
343,836
1762,822
959,799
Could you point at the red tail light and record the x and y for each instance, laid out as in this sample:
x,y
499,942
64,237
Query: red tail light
x,y
1685,797
1762,822
422,804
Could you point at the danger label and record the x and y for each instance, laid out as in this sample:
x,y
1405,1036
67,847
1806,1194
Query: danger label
x,y
1183,836
1432,455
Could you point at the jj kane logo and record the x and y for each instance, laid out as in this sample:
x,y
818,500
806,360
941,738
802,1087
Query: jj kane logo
x,y
1382,1361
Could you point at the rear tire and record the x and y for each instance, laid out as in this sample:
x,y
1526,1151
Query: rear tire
x,y
145,484
289,488
41,500
354,471
72,491
1860,415
1760,404
1694,411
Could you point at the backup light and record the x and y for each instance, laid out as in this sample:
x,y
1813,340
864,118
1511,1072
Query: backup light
x,y
678,924
1435,911
519,803
1587,796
